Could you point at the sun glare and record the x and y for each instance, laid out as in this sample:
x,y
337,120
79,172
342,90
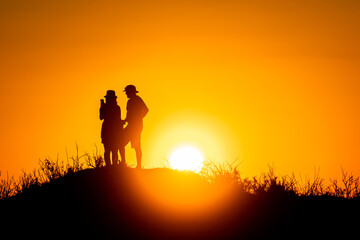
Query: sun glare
x,y
186,158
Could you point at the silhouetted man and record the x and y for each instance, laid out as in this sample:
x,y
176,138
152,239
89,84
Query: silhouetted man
x,y
112,128
136,111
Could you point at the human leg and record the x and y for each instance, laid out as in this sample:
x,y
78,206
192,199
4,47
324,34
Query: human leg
x,y
138,153
133,134
106,155
115,156
122,155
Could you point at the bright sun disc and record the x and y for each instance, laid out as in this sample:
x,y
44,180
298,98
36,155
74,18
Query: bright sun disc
x,y
186,158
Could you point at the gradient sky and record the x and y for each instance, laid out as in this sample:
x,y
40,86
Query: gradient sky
x,y
264,82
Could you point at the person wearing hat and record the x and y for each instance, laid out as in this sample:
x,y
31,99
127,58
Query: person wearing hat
x,y
136,111
111,130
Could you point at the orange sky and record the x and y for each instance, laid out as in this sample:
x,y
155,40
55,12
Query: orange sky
x,y
266,82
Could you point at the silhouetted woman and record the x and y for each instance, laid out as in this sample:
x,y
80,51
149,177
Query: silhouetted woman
x,y
111,131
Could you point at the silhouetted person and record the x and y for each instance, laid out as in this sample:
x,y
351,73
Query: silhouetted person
x,y
112,127
136,111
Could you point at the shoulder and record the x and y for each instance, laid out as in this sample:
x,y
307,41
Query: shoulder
x,y
135,100
139,100
114,107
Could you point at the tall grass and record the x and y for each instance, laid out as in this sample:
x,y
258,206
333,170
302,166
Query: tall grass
x,y
267,183
48,170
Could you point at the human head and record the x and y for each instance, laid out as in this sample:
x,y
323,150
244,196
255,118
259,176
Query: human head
x,y
110,96
130,91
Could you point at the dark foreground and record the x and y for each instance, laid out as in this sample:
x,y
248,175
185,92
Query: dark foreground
x,y
118,203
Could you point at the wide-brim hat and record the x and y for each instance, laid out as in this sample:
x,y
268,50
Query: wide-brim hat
x,y
110,94
130,88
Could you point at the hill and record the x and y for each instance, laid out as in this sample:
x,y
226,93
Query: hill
x,y
115,202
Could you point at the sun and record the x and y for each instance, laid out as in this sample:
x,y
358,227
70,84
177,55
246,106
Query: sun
x,y
186,158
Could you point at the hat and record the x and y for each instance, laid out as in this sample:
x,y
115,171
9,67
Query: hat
x,y
110,94
130,88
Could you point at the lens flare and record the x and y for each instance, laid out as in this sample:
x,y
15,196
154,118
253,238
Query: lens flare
x,y
186,158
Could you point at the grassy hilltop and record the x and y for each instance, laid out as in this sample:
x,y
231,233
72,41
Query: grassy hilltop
x,y
116,202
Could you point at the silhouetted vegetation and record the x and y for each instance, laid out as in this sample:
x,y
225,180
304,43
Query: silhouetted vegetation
x,y
48,170
83,198
348,187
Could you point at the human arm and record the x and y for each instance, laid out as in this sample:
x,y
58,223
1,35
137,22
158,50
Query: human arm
x,y
122,122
